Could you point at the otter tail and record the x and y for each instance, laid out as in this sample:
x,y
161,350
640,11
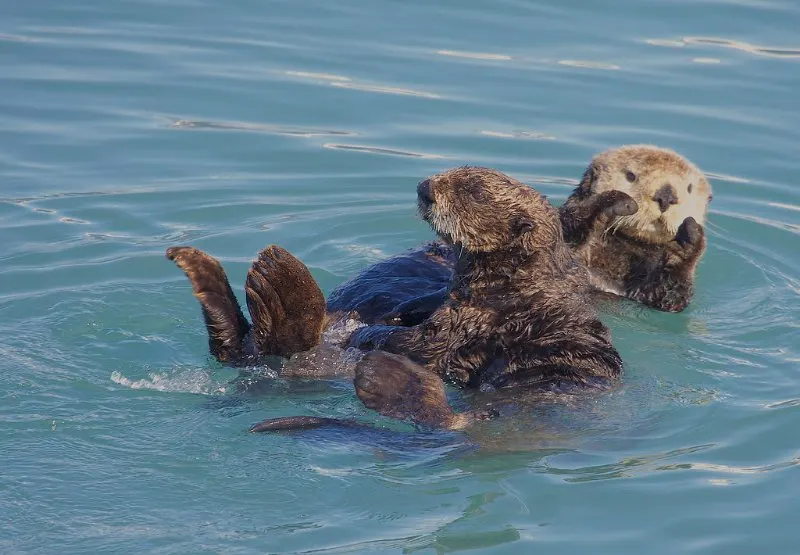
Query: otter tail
x,y
225,322
285,303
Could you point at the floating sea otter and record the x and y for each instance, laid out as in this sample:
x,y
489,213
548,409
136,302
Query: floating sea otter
x,y
517,312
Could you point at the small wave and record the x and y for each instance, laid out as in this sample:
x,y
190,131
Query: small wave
x,y
786,226
384,89
257,127
315,75
379,150
785,206
730,469
589,65
727,43
668,43
16,38
789,403
473,55
189,381
747,47
725,177
533,135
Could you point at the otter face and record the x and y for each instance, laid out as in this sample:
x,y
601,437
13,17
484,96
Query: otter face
x,y
667,187
484,210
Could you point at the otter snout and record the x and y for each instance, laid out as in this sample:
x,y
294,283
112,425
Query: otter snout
x,y
424,192
665,197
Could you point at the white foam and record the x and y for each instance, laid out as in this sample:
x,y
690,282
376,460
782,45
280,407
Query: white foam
x,y
188,381
341,331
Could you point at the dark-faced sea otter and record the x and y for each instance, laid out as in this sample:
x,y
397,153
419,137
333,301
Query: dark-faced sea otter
x,y
517,312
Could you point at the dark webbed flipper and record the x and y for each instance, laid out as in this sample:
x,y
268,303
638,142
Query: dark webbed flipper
x,y
296,423
225,322
285,303
395,386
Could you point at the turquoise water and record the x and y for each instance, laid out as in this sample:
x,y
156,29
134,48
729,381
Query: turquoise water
x,y
130,126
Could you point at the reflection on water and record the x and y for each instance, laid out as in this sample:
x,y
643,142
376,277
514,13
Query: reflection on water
x,y
264,128
379,150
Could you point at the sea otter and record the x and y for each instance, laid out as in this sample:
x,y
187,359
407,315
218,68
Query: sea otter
x,y
649,256
517,313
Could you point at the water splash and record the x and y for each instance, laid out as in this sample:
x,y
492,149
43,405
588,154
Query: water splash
x,y
188,381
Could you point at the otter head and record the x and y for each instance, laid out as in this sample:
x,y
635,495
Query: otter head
x,y
483,210
666,186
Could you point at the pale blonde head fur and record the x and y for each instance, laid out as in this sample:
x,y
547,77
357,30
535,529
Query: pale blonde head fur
x,y
666,186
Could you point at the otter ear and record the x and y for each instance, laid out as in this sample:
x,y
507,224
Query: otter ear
x,y
524,225
587,181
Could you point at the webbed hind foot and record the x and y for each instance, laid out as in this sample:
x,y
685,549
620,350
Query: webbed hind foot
x,y
225,323
285,303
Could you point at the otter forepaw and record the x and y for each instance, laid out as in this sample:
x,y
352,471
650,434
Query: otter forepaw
x,y
285,303
396,387
616,203
690,234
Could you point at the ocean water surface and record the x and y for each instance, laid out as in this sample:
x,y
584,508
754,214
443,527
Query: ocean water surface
x,y
130,126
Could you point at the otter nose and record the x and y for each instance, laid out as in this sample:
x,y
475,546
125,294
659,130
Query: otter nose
x,y
665,197
424,191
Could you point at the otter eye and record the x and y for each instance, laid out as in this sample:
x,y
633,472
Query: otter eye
x,y
689,188
477,193
630,176
524,225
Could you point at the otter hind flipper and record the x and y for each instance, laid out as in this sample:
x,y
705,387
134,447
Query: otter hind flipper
x,y
297,423
225,323
285,303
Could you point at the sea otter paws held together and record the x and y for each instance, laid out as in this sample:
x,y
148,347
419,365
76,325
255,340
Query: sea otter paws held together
x,y
690,235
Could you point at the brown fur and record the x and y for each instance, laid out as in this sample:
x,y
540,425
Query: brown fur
x,y
226,325
287,306
518,313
